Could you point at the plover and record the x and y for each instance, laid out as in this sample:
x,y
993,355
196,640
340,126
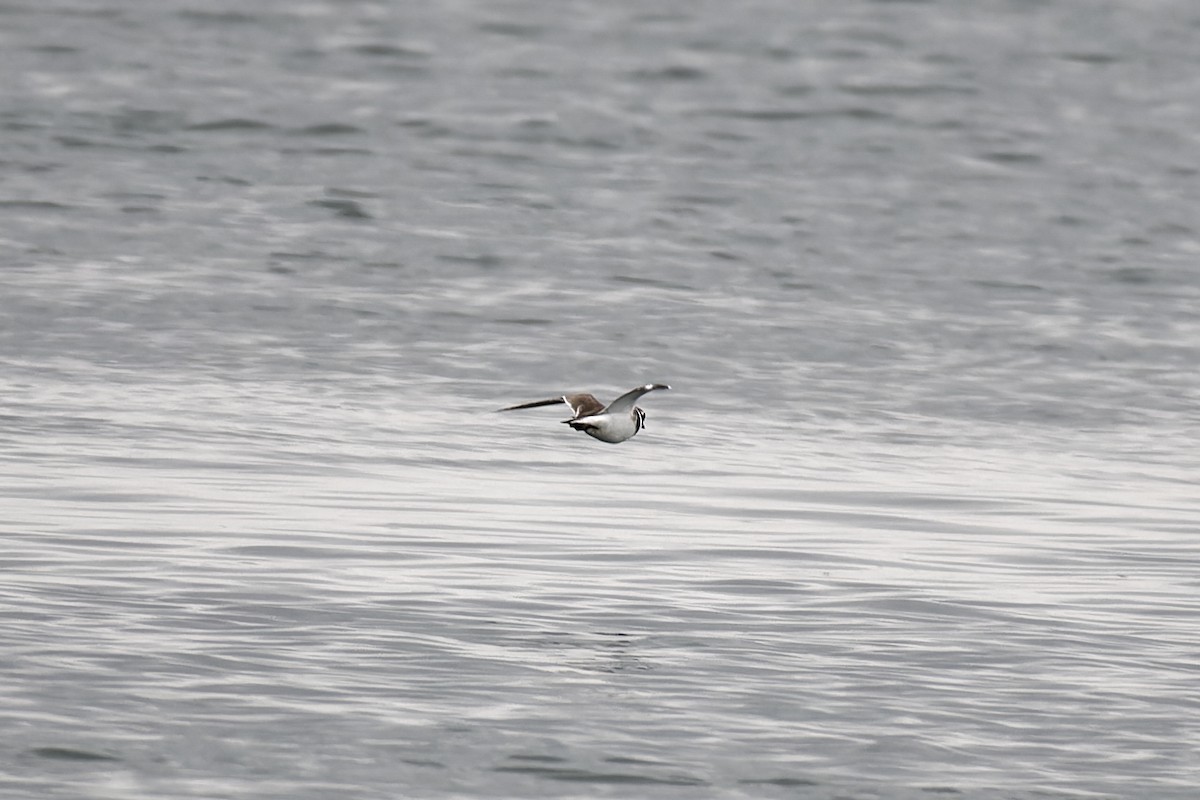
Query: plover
x,y
616,423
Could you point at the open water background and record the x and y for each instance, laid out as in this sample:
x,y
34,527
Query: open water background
x,y
919,518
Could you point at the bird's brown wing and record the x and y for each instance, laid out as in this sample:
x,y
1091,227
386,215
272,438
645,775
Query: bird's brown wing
x,y
581,404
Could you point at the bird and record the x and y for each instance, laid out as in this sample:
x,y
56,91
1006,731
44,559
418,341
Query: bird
x,y
616,422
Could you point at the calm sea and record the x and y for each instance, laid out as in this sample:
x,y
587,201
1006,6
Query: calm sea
x,y
919,518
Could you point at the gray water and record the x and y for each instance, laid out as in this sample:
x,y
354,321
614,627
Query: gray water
x,y
919,517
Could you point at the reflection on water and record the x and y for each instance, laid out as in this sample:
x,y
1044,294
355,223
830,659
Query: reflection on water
x,y
732,613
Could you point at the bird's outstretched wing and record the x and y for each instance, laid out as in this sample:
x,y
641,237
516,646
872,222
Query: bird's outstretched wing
x,y
582,405
625,402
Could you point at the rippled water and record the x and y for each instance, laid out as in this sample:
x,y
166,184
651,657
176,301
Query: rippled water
x,y
918,517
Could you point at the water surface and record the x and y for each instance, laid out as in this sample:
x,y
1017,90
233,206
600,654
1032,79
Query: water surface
x,y
918,517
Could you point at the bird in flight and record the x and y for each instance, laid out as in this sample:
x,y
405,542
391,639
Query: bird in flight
x,y
618,421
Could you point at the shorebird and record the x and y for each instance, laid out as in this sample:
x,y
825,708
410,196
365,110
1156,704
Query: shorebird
x,y
619,421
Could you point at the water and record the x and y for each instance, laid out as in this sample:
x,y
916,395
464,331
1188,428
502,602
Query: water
x,y
918,518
